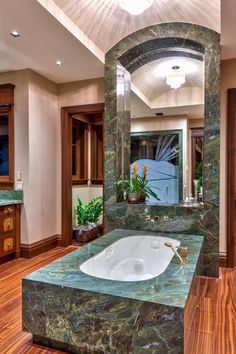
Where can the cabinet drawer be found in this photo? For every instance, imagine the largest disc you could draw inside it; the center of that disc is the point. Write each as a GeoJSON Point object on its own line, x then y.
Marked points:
{"type": "Point", "coordinates": [7, 224]}
{"type": "Point", "coordinates": [7, 245]}
{"type": "Point", "coordinates": [7, 211]}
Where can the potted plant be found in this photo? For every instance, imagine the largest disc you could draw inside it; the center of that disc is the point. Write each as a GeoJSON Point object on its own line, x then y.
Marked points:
{"type": "Point", "coordinates": [136, 188]}
{"type": "Point", "coordinates": [87, 216]}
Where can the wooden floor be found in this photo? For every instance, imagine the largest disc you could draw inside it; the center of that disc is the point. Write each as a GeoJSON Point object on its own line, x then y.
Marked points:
{"type": "Point", "coordinates": [210, 317]}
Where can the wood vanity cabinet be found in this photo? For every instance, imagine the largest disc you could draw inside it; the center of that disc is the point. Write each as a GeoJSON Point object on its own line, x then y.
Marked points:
{"type": "Point", "coordinates": [9, 232]}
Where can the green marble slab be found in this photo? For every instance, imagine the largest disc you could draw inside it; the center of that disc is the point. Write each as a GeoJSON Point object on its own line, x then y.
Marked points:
{"type": "Point", "coordinates": [10, 202]}
{"type": "Point", "coordinates": [169, 288]}
{"type": "Point", "coordinates": [9, 197]}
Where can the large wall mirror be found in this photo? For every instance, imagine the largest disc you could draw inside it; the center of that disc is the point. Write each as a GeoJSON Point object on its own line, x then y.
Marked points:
{"type": "Point", "coordinates": [7, 136]}
{"type": "Point", "coordinates": [167, 125]}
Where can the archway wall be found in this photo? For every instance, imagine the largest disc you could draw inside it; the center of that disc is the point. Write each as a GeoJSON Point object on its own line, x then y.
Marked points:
{"type": "Point", "coordinates": [123, 59]}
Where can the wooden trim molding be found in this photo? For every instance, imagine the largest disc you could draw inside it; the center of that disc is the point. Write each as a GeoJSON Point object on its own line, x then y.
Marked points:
{"type": "Point", "coordinates": [223, 260]}
{"type": "Point", "coordinates": [231, 179]}
{"type": "Point", "coordinates": [7, 107]}
{"type": "Point", "coordinates": [36, 248]}
{"type": "Point", "coordinates": [66, 161]}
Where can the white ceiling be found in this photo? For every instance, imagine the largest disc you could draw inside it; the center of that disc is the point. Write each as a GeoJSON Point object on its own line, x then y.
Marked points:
{"type": "Point", "coordinates": [149, 85]}
{"type": "Point", "coordinates": [79, 32]}
{"type": "Point", "coordinates": [140, 110]}
{"type": "Point", "coordinates": [228, 23]}
{"type": "Point", "coordinates": [43, 40]}
{"type": "Point", "coordinates": [105, 23]}
{"type": "Point", "coordinates": [150, 79]}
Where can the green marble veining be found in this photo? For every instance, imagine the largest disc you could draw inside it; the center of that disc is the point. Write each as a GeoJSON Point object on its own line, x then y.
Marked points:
{"type": "Point", "coordinates": [123, 59]}
{"type": "Point", "coordinates": [71, 311]}
{"type": "Point", "coordinates": [170, 288]}
{"type": "Point", "coordinates": [10, 202]}
{"type": "Point", "coordinates": [8, 197]}
{"type": "Point", "coordinates": [84, 322]}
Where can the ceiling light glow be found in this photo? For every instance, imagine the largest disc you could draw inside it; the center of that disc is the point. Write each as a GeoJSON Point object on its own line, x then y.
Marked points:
{"type": "Point", "coordinates": [15, 34]}
{"type": "Point", "coordinates": [165, 67]}
{"type": "Point", "coordinates": [59, 62]}
{"type": "Point", "coordinates": [135, 7]}
{"type": "Point", "coordinates": [175, 78]}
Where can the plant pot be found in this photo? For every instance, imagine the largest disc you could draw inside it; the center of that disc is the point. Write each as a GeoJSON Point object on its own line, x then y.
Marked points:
{"type": "Point", "coordinates": [86, 233]}
{"type": "Point", "coordinates": [136, 198]}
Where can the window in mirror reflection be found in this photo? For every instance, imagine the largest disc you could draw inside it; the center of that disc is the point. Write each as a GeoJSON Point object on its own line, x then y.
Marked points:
{"type": "Point", "coordinates": [4, 144]}
{"type": "Point", "coordinates": [162, 153]}
{"type": "Point", "coordinates": [197, 158]}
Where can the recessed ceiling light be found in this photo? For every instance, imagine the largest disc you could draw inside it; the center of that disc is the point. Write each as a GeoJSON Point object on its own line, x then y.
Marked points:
{"type": "Point", "coordinates": [59, 62]}
{"type": "Point", "coordinates": [136, 7]}
{"type": "Point", "coordinates": [15, 34]}
{"type": "Point", "coordinates": [166, 66]}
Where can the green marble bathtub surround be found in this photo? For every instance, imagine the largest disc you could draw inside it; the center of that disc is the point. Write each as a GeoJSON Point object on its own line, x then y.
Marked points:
{"type": "Point", "coordinates": [85, 322]}
{"type": "Point", "coordinates": [124, 58]}
{"type": "Point", "coordinates": [169, 288]}
{"type": "Point", "coordinates": [69, 310]}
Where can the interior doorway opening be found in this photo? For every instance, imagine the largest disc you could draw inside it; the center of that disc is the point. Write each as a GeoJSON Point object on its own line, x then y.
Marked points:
{"type": "Point", "coordinates": [82, 162]}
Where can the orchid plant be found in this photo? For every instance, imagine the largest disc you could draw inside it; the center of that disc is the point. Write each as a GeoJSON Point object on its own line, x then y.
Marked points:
{"type": "Point", "coordinates": [137, 183]}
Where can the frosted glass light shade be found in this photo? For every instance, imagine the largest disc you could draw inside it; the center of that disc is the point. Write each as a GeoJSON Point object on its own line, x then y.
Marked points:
{"type": "Point", "coordinates": [175, 80]}
{"type": "Point", "coordinates": [135, 7]}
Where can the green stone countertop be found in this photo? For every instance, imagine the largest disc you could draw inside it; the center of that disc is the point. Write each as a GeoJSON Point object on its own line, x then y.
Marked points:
{"type": "Point", "coordinates": [10, 202]}
{"type": "Point", "coordinates": [9, 197]}
{"type": "Point", "coordinates": [169, 288]}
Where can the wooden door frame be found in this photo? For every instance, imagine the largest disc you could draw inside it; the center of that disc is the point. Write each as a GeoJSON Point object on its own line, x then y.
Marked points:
{"type": "Point", "coordinates": [231, 175]}
{"type": "Point", "coordinates": [66, 165]}
{"type": "Point", "coordinates": [197, 132]}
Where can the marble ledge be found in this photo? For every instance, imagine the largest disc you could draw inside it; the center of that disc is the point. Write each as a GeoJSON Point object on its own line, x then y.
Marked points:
{"type": "Point", "coordinates": [170, 288]}
{"type": "Point", "coordinates": [10, 197]}
{"type": "Point", "coordinates": [10, 202]}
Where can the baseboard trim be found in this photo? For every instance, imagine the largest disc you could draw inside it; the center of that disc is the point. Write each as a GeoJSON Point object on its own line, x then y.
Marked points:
{"type": "Point", "coordinates": [36, 248]}
{"type": "Point", "coordinates": [223, 259]}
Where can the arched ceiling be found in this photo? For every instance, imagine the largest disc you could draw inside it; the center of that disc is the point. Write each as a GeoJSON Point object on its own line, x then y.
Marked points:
{"type": "Point", "coordinates": [149, 83]}
{"type": "Point", "coordinates": [79, 32]}
{"type": "Point", "coordinates": [150, 79]}
{"type": "Point", "coordinates": [105, 23]}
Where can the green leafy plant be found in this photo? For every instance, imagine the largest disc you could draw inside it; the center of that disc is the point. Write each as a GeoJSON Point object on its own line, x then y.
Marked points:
{"type": "Point", "coordinates": [136, 184]}
{"type": "Point", "coordinates": [198, 174]}
{"type": "Point", "coordinates": [90, 212]}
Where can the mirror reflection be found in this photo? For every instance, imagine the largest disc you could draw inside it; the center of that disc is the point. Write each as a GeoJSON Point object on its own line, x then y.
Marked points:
{"type": "Point", "coordinates": [167, 128]}
{"type": "Point", "coordinates": [4, 142]}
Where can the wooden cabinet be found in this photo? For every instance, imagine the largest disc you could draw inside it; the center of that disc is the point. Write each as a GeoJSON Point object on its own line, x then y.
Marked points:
{"type": "Point", "coordinates": [7, 136]}
{"type": "Point", "coordinates": [9, 232]}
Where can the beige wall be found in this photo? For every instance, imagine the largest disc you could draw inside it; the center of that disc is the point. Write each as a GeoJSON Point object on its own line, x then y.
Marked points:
{"type": "Point", "coordinates": [44, 148]}
{"type": "Point", "coordinates": [21, 114]}
{"type": "Point", "coordinates": [228, 80]}
{"type": "Point", "coordinates": [81, 92]}
{"type": "Point", "coordinates": [38, 146]}
{"type": "Point", "coordinates": [37, 119]}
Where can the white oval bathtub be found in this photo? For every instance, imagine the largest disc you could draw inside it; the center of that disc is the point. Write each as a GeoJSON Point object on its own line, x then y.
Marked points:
{"type": "Point", "coordinates": [132, 258]}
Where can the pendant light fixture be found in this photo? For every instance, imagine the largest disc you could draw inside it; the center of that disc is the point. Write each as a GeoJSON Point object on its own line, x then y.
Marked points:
{"type": "Point", "coordinates": [135, 7]}
{"type": "Point", "coordinates": [175, 78]}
